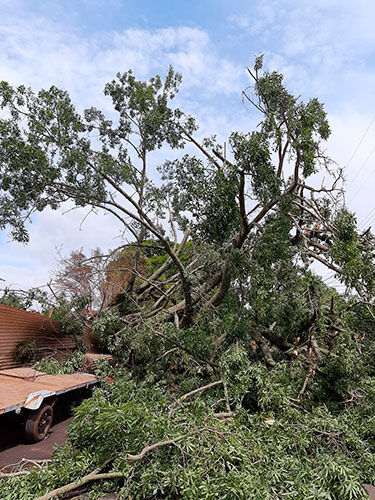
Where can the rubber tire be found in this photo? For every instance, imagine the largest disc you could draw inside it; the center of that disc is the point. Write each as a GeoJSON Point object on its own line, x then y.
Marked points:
{"type": "Point", "coordinates": [39, 423]}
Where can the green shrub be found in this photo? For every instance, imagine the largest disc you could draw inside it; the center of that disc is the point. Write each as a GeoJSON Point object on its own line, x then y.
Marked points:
{"type": "Point", "coordinates": [25, 351]}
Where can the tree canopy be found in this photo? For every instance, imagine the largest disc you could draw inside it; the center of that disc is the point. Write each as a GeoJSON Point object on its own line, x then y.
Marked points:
{"type": "Point", "coordinates": [240, 374]}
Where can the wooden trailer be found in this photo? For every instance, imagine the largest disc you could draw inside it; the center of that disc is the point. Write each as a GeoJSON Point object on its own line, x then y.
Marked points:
{"type": "Point", "coordinates": [33, 393]}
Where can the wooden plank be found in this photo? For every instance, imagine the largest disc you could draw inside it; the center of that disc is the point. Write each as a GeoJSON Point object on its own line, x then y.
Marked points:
{"type": "Point", "coordinates": [24, 372]}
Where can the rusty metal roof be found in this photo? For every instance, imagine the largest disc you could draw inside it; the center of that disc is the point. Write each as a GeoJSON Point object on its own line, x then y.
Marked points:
{"type": "Point", "coordinates": [17, 325]}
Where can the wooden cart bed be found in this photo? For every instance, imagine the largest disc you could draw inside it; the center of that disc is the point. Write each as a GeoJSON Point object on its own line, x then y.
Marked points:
{"type": "Point", "coordinates": [17, 384]}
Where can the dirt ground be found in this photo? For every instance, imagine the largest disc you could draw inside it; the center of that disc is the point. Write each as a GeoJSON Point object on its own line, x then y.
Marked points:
{"type": "Point", "coordinates": [13, 447]}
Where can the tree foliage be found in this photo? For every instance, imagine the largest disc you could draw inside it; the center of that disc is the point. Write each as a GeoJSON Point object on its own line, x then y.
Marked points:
{"type": "Point", "coordinates": [239, 373]}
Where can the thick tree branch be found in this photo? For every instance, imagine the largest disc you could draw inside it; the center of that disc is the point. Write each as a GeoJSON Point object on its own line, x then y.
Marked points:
{"type": "Point", "coordinates": [277, 341]}
{"type": "Point", "coordinates": [318, 257]}
{"type": "Point", "coordinates": [226, 279]}
{"type": "Point", "coordinates": [264, 348]}
{"type": "Point", "coordinates": [167, 264]}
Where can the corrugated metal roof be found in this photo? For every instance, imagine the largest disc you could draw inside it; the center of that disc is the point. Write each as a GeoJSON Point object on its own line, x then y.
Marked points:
{"type": "Point", "coordinates": [17, 325]}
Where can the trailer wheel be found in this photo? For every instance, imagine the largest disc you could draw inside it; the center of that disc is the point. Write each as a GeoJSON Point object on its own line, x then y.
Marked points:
{"type": "Point", "coordinates": [39, 423]}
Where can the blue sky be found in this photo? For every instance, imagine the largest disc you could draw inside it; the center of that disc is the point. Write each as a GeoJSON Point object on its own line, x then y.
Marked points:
{"type": "Point", "coordinates": [324, 48]}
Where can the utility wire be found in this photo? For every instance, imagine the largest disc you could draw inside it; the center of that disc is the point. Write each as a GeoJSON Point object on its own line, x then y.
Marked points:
{"type": "Point", "coordinates": [329, 278]}
{"type": "Point", "coordinates": [367, 178]}
{"type": "Point", "coordinates": [360, 142]}
{"type": "Point", "coordinates": [369, 218]}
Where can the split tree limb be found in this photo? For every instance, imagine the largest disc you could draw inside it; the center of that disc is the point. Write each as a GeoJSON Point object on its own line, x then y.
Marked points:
{"type": "Point", "coordinates": [264, 348]}
{"type": "Point", "coordinates": [309, 374]}
{"type": "Point", "coordinates": [7, 475]}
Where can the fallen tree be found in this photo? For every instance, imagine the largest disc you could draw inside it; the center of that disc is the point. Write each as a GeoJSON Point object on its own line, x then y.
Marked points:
{"type": "Point", "coordinates": [223, 313]}
{"type": "Point", "coordinates": [237, 204]}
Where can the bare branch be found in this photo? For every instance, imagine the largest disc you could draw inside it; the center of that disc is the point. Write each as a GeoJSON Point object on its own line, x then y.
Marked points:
{"type": "Point", "coordinates": [93, 476]}
{"type": "Point", "coordinates": [202, 149]}
{"type": "Point", "coordinates": [191, 393]}
{"type": "Point", "coordinates": [147, 449]}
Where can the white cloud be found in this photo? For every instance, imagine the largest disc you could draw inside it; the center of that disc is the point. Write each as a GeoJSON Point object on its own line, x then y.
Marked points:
{"type": "Point", "coordinates": [50, 232]}
{"type": "Point", "coordinates": [322, 47]}
{"type": "Point", "coordinates": [318, 44]}
{"type": "Point", "coordinates": [40, 52]}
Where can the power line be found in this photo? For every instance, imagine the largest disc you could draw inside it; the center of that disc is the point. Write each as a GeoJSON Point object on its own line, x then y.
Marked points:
{"type": "Point", "coordinates": [367, 178]}
{"type": "Point", "coordinates": [330, 281]}
{"type": "Point", "coordinates": [367, 217]}
{"type": "Point", "coordinates": [328, 276]}
{"type": "Point", "coordinates": [360, 169]}
{"type": "Point", "coordinates": [360, 142]}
